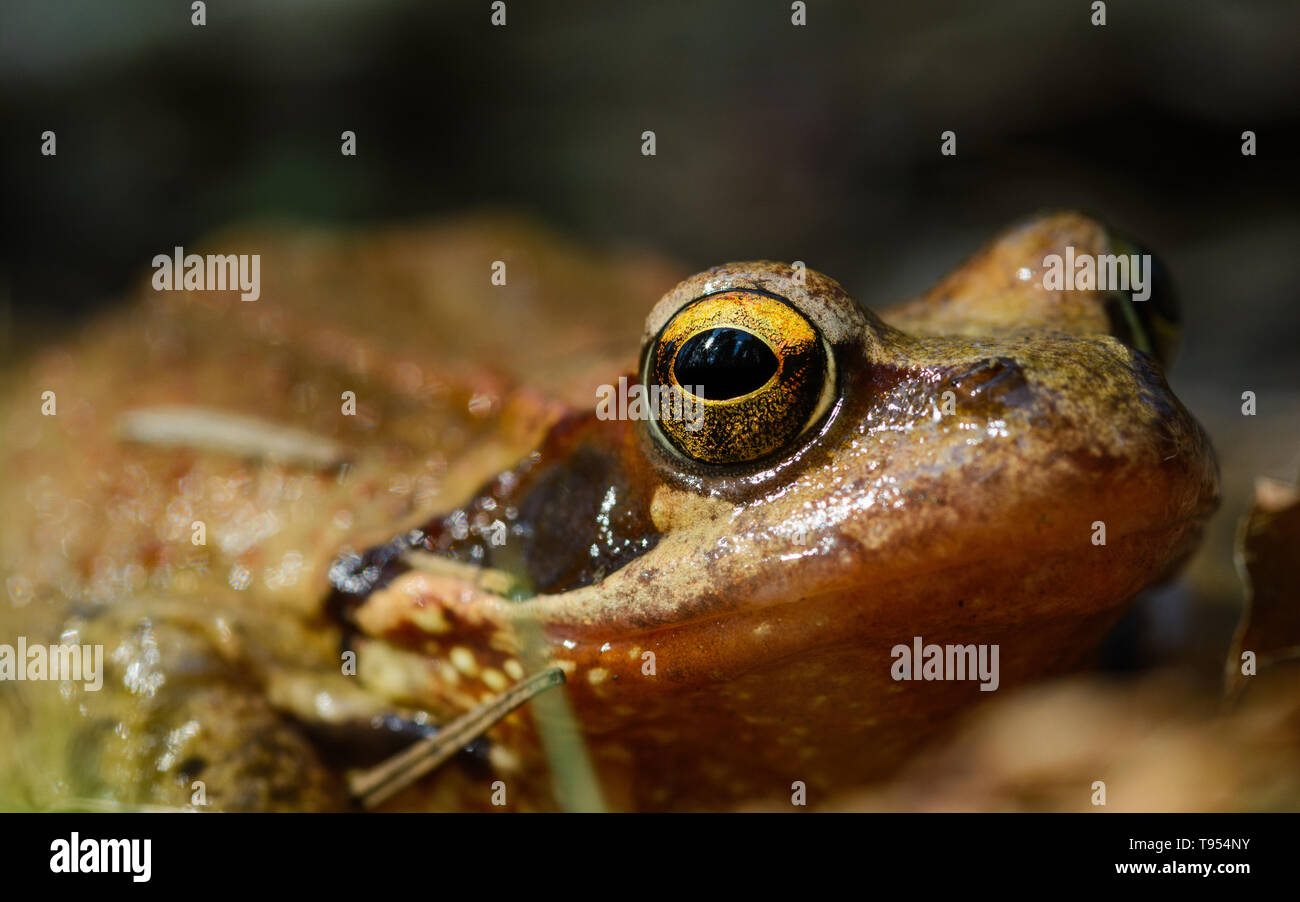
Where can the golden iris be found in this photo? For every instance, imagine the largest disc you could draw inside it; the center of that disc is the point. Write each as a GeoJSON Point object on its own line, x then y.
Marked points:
{"type": "Point", "coordinates": [754, 371]}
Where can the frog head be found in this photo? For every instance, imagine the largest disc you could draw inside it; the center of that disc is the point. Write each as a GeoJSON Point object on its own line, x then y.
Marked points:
{"type": "Point", "coordinates": [727, 570]}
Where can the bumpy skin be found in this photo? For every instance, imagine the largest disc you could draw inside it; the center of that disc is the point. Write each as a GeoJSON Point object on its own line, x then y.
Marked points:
{"type": "Point", "coordinates": [770, 596]}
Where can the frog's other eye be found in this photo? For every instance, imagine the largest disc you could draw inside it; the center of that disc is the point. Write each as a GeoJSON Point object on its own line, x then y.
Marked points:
{"type": "Point", "coordinates": [1153, 325]}
{"type": "Point", "coordinates": [739, 375]}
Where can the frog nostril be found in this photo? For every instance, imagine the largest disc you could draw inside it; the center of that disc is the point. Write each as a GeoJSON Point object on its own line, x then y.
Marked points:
{"type": "Point", "coordinates": [725, 363]}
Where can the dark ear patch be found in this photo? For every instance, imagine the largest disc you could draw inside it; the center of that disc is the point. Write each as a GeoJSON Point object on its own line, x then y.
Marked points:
{"type": "Point", "coordinates": [584, 517]}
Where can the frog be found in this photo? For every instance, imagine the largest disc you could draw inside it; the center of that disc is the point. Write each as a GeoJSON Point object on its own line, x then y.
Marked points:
{"type": "Point", "coordinates": [314, 531]}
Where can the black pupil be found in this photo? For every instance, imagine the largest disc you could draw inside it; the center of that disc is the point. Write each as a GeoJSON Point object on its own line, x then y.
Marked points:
{"type": "Point", "coordinates": [728, 363]}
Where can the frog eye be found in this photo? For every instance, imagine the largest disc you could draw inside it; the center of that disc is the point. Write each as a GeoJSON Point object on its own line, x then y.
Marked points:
{"type": "Point", "coordinates": [751, 371]}
{"type": "Point", "coordinates": [1153, 325]}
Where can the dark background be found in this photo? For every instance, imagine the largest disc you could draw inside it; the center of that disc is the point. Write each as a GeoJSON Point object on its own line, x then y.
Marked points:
{"type": "Point", "coordinates": [818, 143]}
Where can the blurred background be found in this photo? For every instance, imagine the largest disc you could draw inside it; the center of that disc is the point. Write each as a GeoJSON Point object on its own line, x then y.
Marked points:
{"type": "Point", "coordinates": [818, 143]}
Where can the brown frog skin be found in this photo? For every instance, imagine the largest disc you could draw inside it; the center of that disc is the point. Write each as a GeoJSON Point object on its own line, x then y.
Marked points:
{"type": "Point", "coordinates": [725, 629]}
